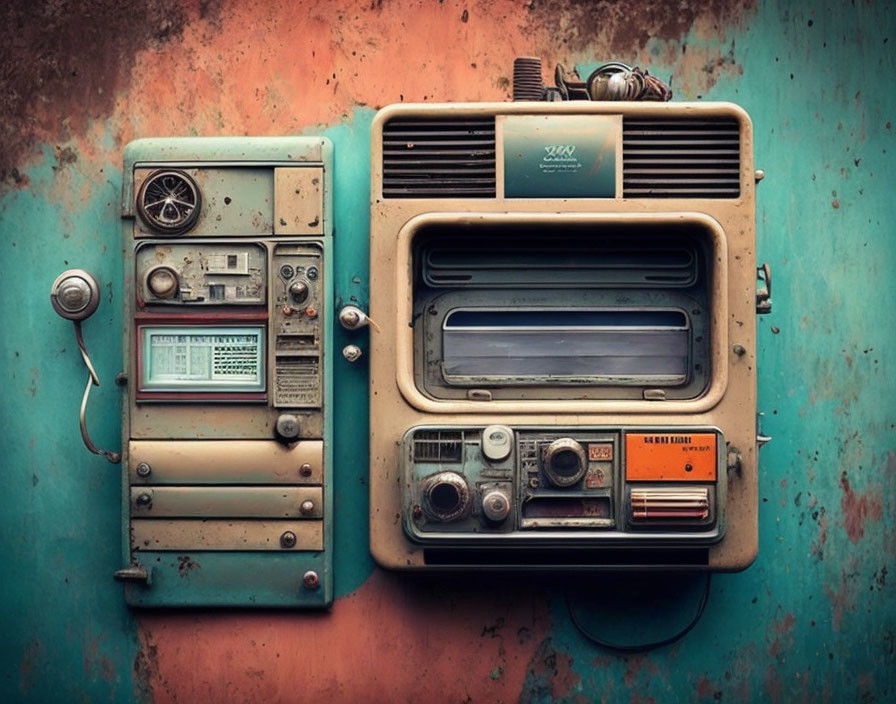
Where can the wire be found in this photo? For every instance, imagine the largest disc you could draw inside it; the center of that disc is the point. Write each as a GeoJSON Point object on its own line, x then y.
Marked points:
{"type": "Point", "coordinates": [642, 647]}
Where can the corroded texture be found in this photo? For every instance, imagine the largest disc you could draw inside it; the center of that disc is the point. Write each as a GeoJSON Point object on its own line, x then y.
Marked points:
{"type": "Point", "coordinates": [813, 619]}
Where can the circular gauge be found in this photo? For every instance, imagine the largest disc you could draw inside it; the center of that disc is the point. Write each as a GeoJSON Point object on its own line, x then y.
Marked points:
{"type": "Point", "coordinates": [169, 202]}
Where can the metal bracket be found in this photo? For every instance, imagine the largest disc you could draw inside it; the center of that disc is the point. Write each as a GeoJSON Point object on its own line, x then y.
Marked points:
{"type": "Point", "coordinates": [135, 573]}
{"type": "Point", "coordinates": [764, 295]}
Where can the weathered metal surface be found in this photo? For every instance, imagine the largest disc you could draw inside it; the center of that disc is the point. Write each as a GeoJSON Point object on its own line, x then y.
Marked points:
{"type": "Point", "coordinates": [813, 619]}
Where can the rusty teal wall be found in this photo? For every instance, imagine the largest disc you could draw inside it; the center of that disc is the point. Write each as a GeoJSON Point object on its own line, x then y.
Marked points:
{"type": "Point", "coordinates": [813, 619]}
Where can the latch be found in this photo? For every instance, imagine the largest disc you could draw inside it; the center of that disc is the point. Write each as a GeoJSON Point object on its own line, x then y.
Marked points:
{"type": "Point", "coordinates": [764, 291]}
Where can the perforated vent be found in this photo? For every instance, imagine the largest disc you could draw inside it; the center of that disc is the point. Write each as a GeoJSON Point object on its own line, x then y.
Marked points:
{"type": "Point", "coordinates": [438, 446]}
{"type": "Point", "coordinates": [681, 158]}
{"type": "Point", "coordinates": [439, 158]}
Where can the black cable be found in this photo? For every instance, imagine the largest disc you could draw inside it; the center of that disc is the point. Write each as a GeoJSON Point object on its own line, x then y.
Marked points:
{"type": "Point", "coordinates": [642, 647]}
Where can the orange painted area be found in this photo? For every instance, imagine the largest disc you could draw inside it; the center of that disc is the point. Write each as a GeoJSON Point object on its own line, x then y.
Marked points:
{"type": "Point", "coordinates": [681, 457]}
{"type": "Point", "coordinates": [396, 639]}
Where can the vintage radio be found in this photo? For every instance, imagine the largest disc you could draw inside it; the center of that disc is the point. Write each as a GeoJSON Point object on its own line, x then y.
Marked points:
{"type": "Point", "coordinates": [228, 327]}
{"type": "Point", "coordinates": [563, 373]}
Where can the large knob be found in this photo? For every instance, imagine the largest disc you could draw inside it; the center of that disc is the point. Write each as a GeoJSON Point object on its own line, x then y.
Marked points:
{"type": "Point", "coordinates": [299, 290]}
{"type": "Point", "coordinates": [564, 462]}
{"type": "Point", "coordinates": [446, 497]}
{"type": "Point", "coordinates": [162, 282]}
{"type": "Point", "coordinates": [75, 294]}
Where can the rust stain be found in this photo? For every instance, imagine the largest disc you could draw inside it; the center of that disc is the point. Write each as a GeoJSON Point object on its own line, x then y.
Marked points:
{"type": "Point", "coordinates": [857, 509]}
{"type": "Point", "coordinates": [550, 676]}
{"type": "Point", "coordinates": [706, 688]}
{"type": "Point", "coordinates": [64, 64]}
{"type": "Point", "coordinates": [782, 631]}
{"type": "Point", "coordinates": [467, 633]}
{"type": "Point", "coordinates": [842, 600]}
{"type": "Point", "coordinates": [773, 684]}
{"type": "Point", "coordinates": [29, 666]}
{"type": "Point", "coordinates": [68, 74]}
{"type": "Point", "coordinates": [186, 564]}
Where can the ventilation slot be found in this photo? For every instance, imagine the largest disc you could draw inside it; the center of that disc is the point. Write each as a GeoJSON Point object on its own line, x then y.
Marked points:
{"type": "Point", "coordinates": [438, 446]}
{"type": "Point", "coordinates": [681, 158]}
{"type": "Point", "coordinates": [664, 505]}
{"type": "Point", "coordinates": [425, 158]}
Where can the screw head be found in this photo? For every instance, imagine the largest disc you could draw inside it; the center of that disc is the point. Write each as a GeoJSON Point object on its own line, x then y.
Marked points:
{"type": "Point", "coordinates": [143, 500]}
{"type": "Point", "coordinates": [305, 470]}
{"type": "Point", "coordinates": [143, 470]}
{"type": "Point", "coordinates": [307, 507]}
{"type": "Point", "coordinates": [311, 580]}
{"type": "Point", "coordinates": [288, 540]}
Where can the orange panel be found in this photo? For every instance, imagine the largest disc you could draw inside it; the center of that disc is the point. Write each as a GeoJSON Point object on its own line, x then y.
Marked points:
{"type": "Point", "coordinates": [688, 457]}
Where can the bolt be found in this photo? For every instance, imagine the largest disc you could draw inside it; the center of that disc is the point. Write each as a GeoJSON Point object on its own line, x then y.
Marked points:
{"type": "Point", "coordinates": [739, 350]}
{"type": "Point", "coordinates": [305, 470]}
{"type": "Point", "coordinates": [352, 353]}
{"type": "Point", "coordinates": [311, 580]}
{"type": "Point", "coordinates": [143, 470]}
{"type": "Point", "coordinates": [288, 540]}
{"type": "Point", "coordinates": [286, 310]}
{"type": "Point", "coordinates": [688, 467]}
{"type": "Point", "coordinates": [533, 483]}
{"type": "Point", "coordinates": [311, 312]}
{"type": "Point", "coordinates": [307, 507]}
{"type": "Point", "coordinates": [144, 500]}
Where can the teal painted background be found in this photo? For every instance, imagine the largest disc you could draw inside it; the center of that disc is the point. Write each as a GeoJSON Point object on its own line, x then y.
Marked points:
{"type": "Point", "coordinates": [813, 619]}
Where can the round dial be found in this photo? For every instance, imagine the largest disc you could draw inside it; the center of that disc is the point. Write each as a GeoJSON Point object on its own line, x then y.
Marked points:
{"type": "Point", "coordinates": [564, 462]}
{"type": "Point", "coordinates": [162, 282]}
{"type": "Point", "coordinates": [447, 497]}
{"type": "Point", "coordinates": [169, 201]}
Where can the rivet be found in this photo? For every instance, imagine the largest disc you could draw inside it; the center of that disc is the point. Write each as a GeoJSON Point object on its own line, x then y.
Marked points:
{"type": "Point", "coordinates": [305, 470]}
{"type": "Point", "coordinates": [143, 470]}
{"type": "Point", "coordinates": [307, 507]}
{"type": "Point", "coordinates": [288, 540]}
{"type": "Point", "coordinates": [311, 580]}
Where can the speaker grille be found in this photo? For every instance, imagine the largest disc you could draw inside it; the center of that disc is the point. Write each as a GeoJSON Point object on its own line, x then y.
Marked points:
{"type": "Point", "coordinates": [680, 158]}
{"type": "Point", "coordinates": [439, 158]}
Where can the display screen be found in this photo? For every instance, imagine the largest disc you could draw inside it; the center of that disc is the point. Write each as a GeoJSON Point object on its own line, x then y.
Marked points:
{"type": "Point", "coordinates": [191, 359]}
{"type": "Point", "coordinates": [576, 346]}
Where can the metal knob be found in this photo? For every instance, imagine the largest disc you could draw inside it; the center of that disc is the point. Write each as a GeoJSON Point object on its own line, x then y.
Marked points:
{"type": "Point", "coordinates": [447, 497]}
{"type": "Point", "coordinates": [352, 318]}
{"type": "Point", "coordinates": [299, 290]}
{"type": "Point", "coordinates": [162, 282]}
{"type": "Point", "coordinates": [75, 294]}
{"type": "Point", "coordinates": [496, 505]}
{"type": "Point", "coordinates": [564, 462]}
{"type": "Point", "coordinates": [288, 426]}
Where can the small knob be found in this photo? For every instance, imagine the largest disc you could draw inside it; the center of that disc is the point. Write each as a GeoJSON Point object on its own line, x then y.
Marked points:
{"type": "Point", "coordinates": [288, 426]}
{"type": "Point", "coordinates": [162, 282]}
{"type": "Point", "coordinates": [299, 290]}
{"type": "Point", "coordinates": [497, 441]}
{"type": "Point", "coordinates": [496, 505]}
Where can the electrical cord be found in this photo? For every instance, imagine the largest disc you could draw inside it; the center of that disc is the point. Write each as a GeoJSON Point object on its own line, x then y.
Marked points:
{"type": "Point", "coordinates": [641, 647]}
